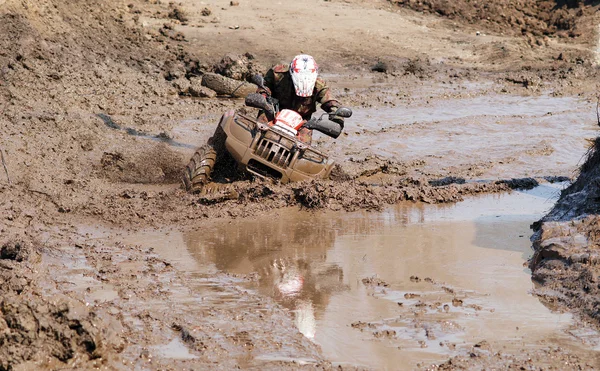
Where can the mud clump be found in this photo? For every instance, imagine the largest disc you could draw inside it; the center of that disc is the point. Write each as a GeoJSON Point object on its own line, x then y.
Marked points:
{"type": "Point", "coordinates": [419, 67]}
{"type": "Point", "coordinates": [223, 85]}
{"type": "Point", "coordinates": [339, 174]}
{"type": "Point", "coordinates": [520, 183]}
{"type": "Point", "coordinates": [14, 250]}
{"type": "Point", "coordinates": [14, 276]}
{"type": "Point", "coordinates": [446, 181]}
{"type": "Point", "coordinates": [239, 67]}
{"type": "Point", "coordinates": [314, 197]}
{"type": "Point", "coordinates": [158, 164]}
{"type": "Point", "coordinates": [374, 281]}
{"type": "Point", "coordinates": [178, 14]}
{"type": "Point", "coordinates": [387, 334]}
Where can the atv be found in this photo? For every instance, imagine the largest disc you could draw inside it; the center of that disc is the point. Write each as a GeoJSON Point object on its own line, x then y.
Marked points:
{"type": "Point", "coordinates": [265, 150]}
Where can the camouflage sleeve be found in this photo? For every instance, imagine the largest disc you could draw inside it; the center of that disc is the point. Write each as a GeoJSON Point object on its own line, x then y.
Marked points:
{"type": "Point", "coordinates": [269, 83]}
{"type": "Point", "coordinates": [324, 96]}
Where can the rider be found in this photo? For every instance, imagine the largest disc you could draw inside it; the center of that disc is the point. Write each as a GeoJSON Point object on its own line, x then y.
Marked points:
{"type": "Point", "coordinates": [298, 87]}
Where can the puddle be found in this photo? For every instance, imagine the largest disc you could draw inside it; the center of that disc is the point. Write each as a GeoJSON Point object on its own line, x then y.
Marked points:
{"type": "Point", "coordinates": [496, 106]}
{"type": "Point", "coordinates": [439, 278]}
{"type": "Point", "coordinates": [77, 276]}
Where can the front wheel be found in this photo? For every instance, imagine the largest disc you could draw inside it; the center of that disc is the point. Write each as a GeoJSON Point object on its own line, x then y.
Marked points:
{"type": "Point", "coordinates": [197, 172]}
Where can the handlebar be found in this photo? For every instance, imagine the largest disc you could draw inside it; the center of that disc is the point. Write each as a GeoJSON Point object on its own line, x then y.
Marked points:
{"type": "Point", "coordinates": [327, 127]}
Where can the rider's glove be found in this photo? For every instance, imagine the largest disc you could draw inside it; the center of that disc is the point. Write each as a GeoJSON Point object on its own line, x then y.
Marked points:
{"type": "Point", "coordinates": [332, 116]}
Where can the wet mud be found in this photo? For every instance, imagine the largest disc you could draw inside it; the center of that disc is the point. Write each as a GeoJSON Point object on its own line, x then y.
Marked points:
{"type": "Point", "coordinates": [102, 104]}
{"type": "Point", "coordinates": [565, 243]}
{"type": "Point", "coordinates": [35, 327]}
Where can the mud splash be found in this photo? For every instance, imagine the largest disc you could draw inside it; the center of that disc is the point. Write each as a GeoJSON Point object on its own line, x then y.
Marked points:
{"type": "Point", "coordinates": [414, 284]}
{"type": "Point", "coordinates": [162, 137]}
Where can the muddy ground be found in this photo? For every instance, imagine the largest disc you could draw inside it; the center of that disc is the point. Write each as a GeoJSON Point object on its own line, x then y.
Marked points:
{"type": "Point", "coordinates": [101, 107]}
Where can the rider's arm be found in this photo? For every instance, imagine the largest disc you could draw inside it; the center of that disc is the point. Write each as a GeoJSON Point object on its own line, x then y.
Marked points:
{"type": "Point", "coordinates": [324, 96]}
{"type": "Point", "coordinates": [328, 103]}
{"type": "Point", "coordinates": [269, 83]}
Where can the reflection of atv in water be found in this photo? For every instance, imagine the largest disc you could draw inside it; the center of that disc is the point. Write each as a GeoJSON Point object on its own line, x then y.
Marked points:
{"type": "Point", "coordinates": [291, 257]}
{"type": "Point", "coordinates": [266, 150]}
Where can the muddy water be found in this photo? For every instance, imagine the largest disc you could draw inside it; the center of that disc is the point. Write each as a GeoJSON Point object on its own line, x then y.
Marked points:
{"type": "Point", "coordinates": [516, 136]}
{"type": "Point", "coordinates": [413, 284]}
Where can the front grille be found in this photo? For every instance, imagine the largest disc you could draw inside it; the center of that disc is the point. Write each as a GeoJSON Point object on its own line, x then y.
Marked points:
{"type": "Point", "coordinates": [263, 170]}
{"type": "Point", "coordinates": [273, 152]}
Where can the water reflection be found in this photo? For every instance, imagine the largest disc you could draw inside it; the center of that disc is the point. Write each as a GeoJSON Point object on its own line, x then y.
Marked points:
{"type": "Point", "coordinates": [288, 255]}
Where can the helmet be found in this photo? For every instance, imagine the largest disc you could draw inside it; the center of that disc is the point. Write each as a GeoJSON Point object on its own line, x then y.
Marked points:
{"type": "Point", "coordinates": [304, 71]}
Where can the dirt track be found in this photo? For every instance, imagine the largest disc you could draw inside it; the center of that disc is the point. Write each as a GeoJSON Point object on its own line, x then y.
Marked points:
{"type": "Point", "coordinates": [97, 124]}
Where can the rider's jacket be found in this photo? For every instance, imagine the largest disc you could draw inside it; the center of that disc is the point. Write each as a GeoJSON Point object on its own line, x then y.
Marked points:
{"type": "Point", "coordinates": [279, 82]}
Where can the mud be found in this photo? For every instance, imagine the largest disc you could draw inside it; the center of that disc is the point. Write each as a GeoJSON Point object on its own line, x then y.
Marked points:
{"type": "Point", "coordinates": [566, 242]}
{"type": "Point", "coordinates": [37, 328]}
{"type": "Point", "coordinates": [100, 110]}
{"type": "Point", "coordinates": [529, 18]}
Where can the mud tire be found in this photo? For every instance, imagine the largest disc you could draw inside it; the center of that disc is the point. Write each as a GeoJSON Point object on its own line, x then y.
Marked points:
{"type": "Point", "coordinates": [198, 171]}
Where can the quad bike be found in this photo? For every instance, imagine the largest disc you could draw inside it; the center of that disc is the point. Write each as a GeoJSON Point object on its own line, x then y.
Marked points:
{"type": "Point", "coordinates": [265, 150]}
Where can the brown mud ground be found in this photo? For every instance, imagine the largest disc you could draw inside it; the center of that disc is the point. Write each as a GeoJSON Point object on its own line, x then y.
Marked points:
{"type": "Point", "coordinates": [97, 123]}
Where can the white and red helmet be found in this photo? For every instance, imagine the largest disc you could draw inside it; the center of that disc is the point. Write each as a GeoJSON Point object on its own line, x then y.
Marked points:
{"type": "Point", "coordinates": [304, 71]}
